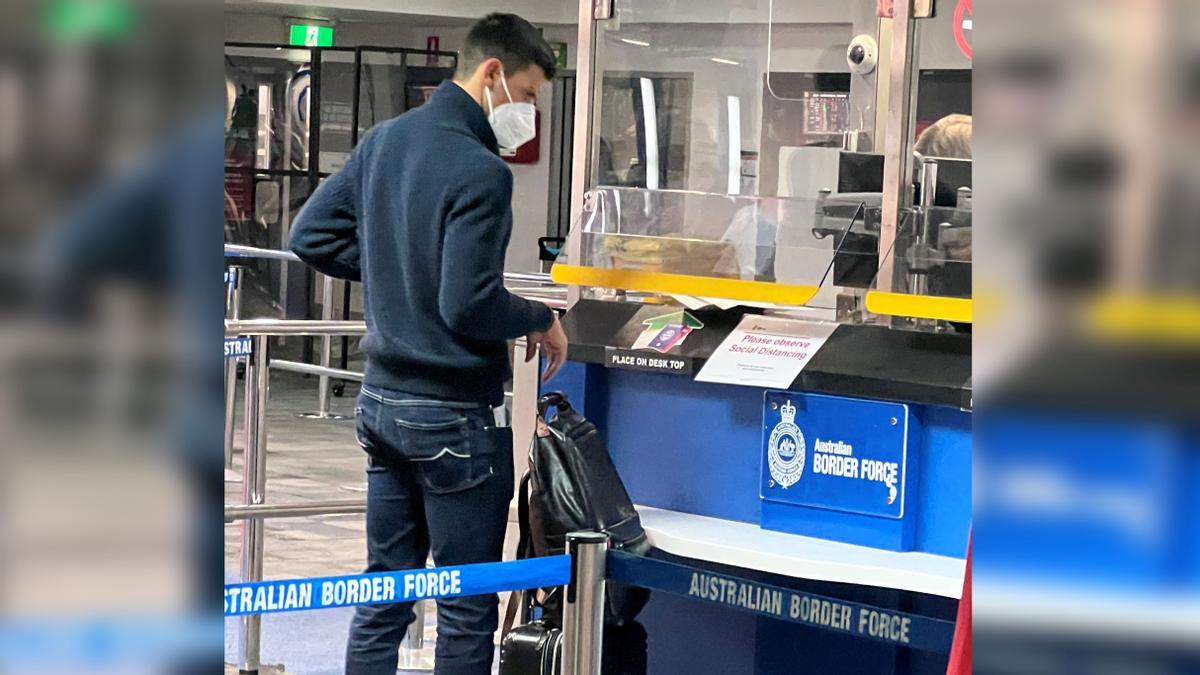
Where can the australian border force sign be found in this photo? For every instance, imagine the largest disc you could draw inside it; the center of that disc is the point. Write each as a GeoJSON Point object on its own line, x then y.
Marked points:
{"type": "Point", "coordinates": [835, 453]}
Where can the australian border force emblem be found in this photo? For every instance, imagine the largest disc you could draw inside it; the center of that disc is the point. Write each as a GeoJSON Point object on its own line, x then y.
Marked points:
{"type": "Point", "coordinates": [785, 448]}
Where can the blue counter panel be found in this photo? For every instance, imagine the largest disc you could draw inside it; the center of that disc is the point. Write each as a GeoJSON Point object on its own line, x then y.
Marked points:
{"type": "Point", "coordinates": [1117, 488]}
{"type": "Point", "coordinates": [944, 455]}
{"type": "Point", "coordinates": [682, 445]}
{"type": "Point", "coordinates": [696, 447]}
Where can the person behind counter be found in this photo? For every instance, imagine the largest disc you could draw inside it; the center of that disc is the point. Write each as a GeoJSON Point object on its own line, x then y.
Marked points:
{"type": "Point", "coordinates": [421, 214]}
{"type": "Point", "coordinates": [948, 138]}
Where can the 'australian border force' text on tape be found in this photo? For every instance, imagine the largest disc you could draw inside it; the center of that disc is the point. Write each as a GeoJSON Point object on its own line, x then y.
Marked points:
{"type": "Point", "coordinates": [387, 587]}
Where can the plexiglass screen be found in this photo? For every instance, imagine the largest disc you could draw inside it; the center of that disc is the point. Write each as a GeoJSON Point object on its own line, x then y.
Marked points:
{"type": "Point", "coordinates": [750, 98]}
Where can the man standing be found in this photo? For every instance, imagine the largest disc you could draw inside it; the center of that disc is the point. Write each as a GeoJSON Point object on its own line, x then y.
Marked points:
{"type": "Point", "coordinates": [421, 214]}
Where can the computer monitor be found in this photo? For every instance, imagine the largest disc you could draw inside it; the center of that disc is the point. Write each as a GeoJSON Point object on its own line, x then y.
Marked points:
{"type": "Point", "coordinates": [863, 172]}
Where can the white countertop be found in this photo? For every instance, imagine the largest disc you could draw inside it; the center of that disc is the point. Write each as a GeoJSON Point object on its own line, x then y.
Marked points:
{"type": "Point", "coordinates": [747, 545]}
{"type": "Point", "coordinates": [1092, 612]}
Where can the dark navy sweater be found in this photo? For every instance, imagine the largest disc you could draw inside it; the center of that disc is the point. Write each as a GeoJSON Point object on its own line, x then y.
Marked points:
{"type": "Point", "coordinates": [421, 214]}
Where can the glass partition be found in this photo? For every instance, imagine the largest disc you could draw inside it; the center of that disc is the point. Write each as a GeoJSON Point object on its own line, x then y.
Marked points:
{"type": "Point", "coordinates": [930, 269]}
{"type": "Point", "coordinates": [735, 154]}
{"type": "Point", "coordinates": [941, 92]}
{"type": "Point", "coordinates": [747, 249]}
{"type": "Point", "coordinates": [752, 99]}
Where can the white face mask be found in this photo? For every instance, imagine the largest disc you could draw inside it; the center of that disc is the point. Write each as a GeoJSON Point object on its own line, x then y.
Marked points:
{"type": "Point", "coordinates": [515, 124]}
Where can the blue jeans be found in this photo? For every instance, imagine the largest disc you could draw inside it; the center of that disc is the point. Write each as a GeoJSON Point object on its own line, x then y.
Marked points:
{"type": "Point", "coordinates": [439, 479]}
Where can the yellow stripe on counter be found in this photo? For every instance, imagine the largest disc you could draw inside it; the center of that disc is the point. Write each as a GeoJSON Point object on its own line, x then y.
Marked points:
{"type": "Point", "coordinates": [920, 306]}
{"type": "Point", "coordinates": [683, 284]}
{"type": "Point", "coordinates": [1146, 318]}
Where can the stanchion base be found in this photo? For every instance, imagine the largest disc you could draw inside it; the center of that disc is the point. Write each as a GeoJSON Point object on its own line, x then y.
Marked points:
{"type": "Point", "coordinates": [322, 416]}
{"type": "Point", "coordinates": [232, 476]}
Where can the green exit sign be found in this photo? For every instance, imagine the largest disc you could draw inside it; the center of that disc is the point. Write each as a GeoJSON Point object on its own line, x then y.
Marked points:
{"type": "Point", "coordinates": [311, 36]}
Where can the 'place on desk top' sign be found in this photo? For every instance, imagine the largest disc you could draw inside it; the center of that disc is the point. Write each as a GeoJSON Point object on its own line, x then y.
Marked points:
{"type": "Point", "coordinates": [835, 453]}
{"type": "Point", "coordinates": [647, 361]}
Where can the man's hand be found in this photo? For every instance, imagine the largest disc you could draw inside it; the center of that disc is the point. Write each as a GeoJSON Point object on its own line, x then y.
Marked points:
{"type": "Point", "coordinates": [553, 342]}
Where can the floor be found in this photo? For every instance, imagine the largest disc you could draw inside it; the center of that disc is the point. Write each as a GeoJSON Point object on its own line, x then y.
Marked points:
{"type": "Point", "coordinates": [307, 460]}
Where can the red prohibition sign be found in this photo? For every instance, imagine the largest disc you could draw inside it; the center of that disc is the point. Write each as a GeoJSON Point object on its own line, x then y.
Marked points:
{"type": "Point", "coordinates": [963, 12]}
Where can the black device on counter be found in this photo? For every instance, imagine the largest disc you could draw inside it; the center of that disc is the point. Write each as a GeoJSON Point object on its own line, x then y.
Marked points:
{"type": "Point", "coordinates": [863, 172]}
{"type": "Point", "coordinates": [860, 180]}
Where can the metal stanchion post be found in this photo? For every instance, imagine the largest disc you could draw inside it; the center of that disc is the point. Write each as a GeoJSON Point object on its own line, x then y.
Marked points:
{"type": "Point", "coordinates": [583, 616]}
{"type": "Point", "coordinates": [254, 484]}
{"type": "Point", "coordinates": [233, 310]}
{"type": "Point", "coordinates": [322, 412]}
{"type": "Point", "coordinates": [413, 653]}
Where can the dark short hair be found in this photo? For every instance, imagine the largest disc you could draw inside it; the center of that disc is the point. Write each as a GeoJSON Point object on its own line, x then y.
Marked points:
{"type": "Point", "coordinates": [509, 38]}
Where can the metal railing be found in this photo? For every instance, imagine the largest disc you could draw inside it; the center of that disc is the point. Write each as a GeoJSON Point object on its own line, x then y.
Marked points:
{"type": "Point", "coordinates": [253, 510]}
{"type": "Point", "coordinates": [254, 476]}
{"type": "Point", "coordinates": [239, 251]}
{"type": "Point", "coordinates": [584, 609]}
{"type": "Point", "coordinates": [532, 286]}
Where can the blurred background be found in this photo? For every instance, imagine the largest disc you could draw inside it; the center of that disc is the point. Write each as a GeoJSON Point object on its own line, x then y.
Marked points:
{"type": "Point", "coordinates": [110, 382]}
{"type": "Point", "coordinates": [1087, 554]}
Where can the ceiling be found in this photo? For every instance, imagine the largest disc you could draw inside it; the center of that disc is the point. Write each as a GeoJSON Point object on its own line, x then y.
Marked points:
{"type": "Point", "coordinates": [338, 14]}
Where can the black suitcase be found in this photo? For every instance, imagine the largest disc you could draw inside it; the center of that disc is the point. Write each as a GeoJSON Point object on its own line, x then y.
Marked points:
{"type": "Point", "coordinates": [531, 649]}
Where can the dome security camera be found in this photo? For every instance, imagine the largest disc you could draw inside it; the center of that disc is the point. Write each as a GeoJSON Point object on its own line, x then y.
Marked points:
{"type": "Point", "coordinates": [862, 55]}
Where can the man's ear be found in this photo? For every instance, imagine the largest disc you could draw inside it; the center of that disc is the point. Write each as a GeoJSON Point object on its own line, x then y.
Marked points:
{"type": "Point", "coordinates": [489, 72]}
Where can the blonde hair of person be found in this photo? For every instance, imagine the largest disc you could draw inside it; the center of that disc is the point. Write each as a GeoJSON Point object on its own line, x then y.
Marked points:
{"type": "Point", "coordinates": [949, 137]}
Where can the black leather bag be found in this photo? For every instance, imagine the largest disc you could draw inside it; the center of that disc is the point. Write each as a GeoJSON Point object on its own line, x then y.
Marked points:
{"type": "Point", "coordinates": [531, 649]}
{"type": "Point", "coordinates": [573, 486]}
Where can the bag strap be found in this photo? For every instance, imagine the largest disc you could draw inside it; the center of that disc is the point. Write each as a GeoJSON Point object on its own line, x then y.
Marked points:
{"type": "Point", "coordinates": [524, 534]}
{"type": "Point", "coordinates": [556, 400]}
{"type": "Point", "coordinates": [515, 600]}
{"type": "Point", "coordinates": [519, 601]}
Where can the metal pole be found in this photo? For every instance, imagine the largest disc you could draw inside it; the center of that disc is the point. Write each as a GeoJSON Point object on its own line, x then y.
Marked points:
{"type": "Point", "coordinates": [583, 616]}
{"type": "Point", "coordinates": [310, 369]}
{"type": "Point", "coordinates": [414, 655]}
{"type": "Point", "coordinates": [240, 251]}
{"type": "Point", "coordinates": [414, 639]}
{"type": "Point", "coordinates": [923, 227]}
{"type": "Point", "coordinates": [322, 412]}
{"type": "Point", "coordinates": [303, 510]}
{"type": "Point", "coordinates": [293, 327]}
{"type": "Point", "coordinates": [233, 310]}
{"type": "Point", "coordinates": [254, 485]}
{"type": "Point", "coordinates": [525, 384]}
{"type": "Point", "coordinates": [354, 115]}
{"type": "Point", "coordinates": [897, 144]}
{"type": "Point", "coordinates": [326, 346]}
{"type": "Point", "coordinates": [585, 110]}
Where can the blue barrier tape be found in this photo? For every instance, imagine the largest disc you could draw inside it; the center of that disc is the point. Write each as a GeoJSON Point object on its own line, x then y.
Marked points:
{"type": "Point", "coordinates": [833, 614]}
{"type": "Point", "coordinates": [292, 595]}
{"type": "Point", "coordinates": [106, 642]}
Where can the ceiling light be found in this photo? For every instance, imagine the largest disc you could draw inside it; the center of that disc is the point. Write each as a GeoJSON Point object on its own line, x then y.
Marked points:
{"type": "Point", "coordinates": [729, 62]}
{"type": "Point", "coordinates": [637, 43]}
